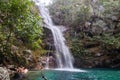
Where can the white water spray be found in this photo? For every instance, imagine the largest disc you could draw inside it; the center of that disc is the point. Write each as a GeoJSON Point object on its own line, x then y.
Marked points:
{"type": "Point", "coordinates": [63, 55]}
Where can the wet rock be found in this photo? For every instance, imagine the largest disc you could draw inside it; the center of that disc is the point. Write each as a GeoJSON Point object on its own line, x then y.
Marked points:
{"type": "Point", "coordinates": [114, 18]}
{"type": "Point", "coordinates": [98, 54]}
{"type": "Point", "coordinates": [107, 61]}
{"type": "Point", "coordinates": [51, 61]}
{"type": "Point", "coordinates": [27, 51]}
{"type": "Point", "coordinates": [28, 54]}
{"type": "Point", "coordinates": [13, 47]}
{"type": "Point", "coordinates": [96, 62]}
{"type": "Point", "coordinates": [4, 75]}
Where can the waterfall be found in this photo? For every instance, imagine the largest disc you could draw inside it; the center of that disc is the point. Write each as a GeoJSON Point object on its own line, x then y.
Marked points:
{"type": "Point", "coordinates": [47, 63]}
{"type": "Point", "coordinates": [63, 55]}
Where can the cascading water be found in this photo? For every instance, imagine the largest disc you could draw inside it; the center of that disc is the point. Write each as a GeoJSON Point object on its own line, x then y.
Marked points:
{"type": "Point", "coordinates": [63, 56]}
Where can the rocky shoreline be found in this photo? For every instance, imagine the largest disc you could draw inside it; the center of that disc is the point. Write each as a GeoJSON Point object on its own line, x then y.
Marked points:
{"type": "Point", "coordinates": [4, 74]}
{"type": "Point", "coordinates": [12, 73]}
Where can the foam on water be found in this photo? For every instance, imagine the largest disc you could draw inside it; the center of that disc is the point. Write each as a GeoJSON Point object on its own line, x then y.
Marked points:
{"type": "Point", "coordinates": [68, 69]}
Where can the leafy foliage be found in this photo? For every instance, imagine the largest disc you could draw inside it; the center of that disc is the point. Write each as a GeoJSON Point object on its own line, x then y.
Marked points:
{"type": "Point", "coordinates": [20, 25]}
{"type": "Point", "coordinates": [93, 24]}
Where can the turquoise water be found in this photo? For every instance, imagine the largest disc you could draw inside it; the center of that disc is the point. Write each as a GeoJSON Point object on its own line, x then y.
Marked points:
{"type": "Point", "coordinates": [90, 74]}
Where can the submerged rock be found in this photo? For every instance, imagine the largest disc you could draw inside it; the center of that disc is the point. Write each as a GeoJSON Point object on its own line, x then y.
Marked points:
{"type": "Point", "coordinates": [4, 75]}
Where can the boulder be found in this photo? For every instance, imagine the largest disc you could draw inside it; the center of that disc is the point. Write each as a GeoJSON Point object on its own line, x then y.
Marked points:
{"type": "Point", "coordinates": [4, 75]}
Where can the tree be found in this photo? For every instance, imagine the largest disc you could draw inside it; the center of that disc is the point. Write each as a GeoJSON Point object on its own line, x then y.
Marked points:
{"type": "Point", "coordinates": [20, 25]}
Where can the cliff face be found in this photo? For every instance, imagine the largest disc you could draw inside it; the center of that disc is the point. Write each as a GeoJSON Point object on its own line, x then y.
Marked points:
{"type": "Point", "coordinates": [96, 43]}
{"type": "Point", "coordinates": [94, 40]}
{"type": "Point", "coordinates": [97, 56]}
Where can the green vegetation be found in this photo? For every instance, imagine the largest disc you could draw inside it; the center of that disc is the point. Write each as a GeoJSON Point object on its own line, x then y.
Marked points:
{"type": "Point", "coordinates": [20, 30]}
{"type": "Point", "coordinates": [94, 29]}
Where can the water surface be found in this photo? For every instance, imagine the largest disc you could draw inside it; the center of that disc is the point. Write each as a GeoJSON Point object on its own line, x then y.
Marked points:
{"type": "Point", "coordinates": [89, 74]}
